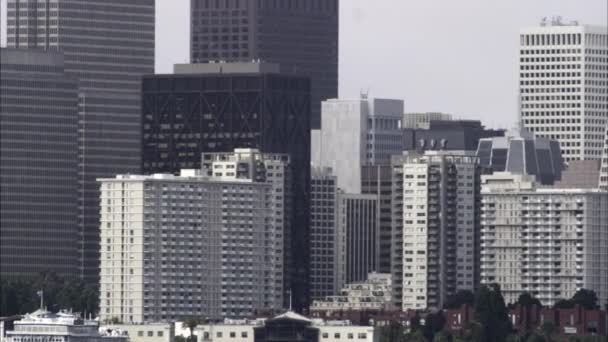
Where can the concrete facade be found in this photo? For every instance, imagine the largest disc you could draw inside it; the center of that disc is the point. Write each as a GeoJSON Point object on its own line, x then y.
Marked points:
{"type": "Point", "coordinates": [603, 181]}
{"type": "Point", "coordinates": [423, 120]}
{"type": "Point", "coordinates": [193, 245]}
{"type": "Point", "coordinates": [435, 227]}
{"type": "Point", "coordinates": [562, 82]}
{"type": "Point", "coordinates": [355, 133]}
{"type": "Point", "coordinates": [546, 241]}
{"type": "Point", "coordinates": [375, 293]}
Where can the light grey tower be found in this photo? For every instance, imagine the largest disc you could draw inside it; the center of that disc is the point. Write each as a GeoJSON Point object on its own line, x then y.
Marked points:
{"type": "Point", "coordinates": [38, 165]}
{"type": "Point", "coordinates": [108, 45]}
{"type": "Point", "coordinates": [562, 85]}
{"type": "Point", "coordinates": [301, 36]}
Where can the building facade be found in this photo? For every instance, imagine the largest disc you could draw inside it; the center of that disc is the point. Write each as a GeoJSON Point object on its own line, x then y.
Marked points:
{"type": "Point", "coordinates": [327, 240]}
{"type": "Point", "coordinates": [359, 222]}
{"type": "Point", "coordinates": [375, 293]}
{"type": "Point", "coordinates": [435, 227]}
{"type": "Point", "coordinates": [288, 326]}
{"type": "Point", "coordinates": [206, 108]}
{"type": "Point", "coordinates": [193, 245]}
{"type": "Point", "coordinates": [377, 180]}
{"type": "Point", "coordinates": [523, 153]}
{"type": "Point", "coordinates": [604, 166]}
{"type": "Point", "coordinates": [356, 133]}
{"type": "Point", "coordinates": [300, 36]}
{"type": "Point", "coordinates": [447, 135]}
{"type": "Point", "coordinates": [545, 241]}
{"type": "Point", "coordinates": [562, 78]}
{"type": "Point", "coordinates": [423, 120]}
{"type": "Point", "coordinates": [108, 60]}
{"type": "Point", "coordinates": [38, 165]}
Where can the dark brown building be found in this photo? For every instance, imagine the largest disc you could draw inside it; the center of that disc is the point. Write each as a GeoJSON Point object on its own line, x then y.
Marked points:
{"type": "Point", "coordinates": [300, 35]}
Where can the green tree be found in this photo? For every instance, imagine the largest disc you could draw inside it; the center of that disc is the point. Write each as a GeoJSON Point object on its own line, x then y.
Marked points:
{"type": "Point", "coordinates": [19, 296]}
{"type": "Point", "coordinates": [433, 323]}
{"type": "Point", "coordinates": [443, 336]}
{"type": "Point", "coordinates": [491, 314]}
{"type": "Point", "coordinates": [535, 338]}
{"type": "Point", "coordinates": [527, 300]}
{"type": "Point", "coordinates": [548, 330]}
{"type": "Point", "coordinates": [583, 297]}
{"type": "Point", "coordinates": [461, 297]}
{"type": "Point", "coordinates": [414, 336]}
{"type": "Point", "coordinates": [191, 324]}
{"type": "Point", "coordinates": [586, 298]}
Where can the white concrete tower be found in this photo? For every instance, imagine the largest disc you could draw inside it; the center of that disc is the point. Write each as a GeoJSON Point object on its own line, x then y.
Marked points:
{"type": "Point", "coordinates": [563, 76]}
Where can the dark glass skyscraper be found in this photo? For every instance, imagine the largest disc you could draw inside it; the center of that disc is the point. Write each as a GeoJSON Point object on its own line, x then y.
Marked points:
{"type": "Point", "coordinates": [300, 35]}
{"type": "Point", "coordinates": [108, 45]}
{"type": "Point", "coordinates": [38, 165]}
{"type": "Point", "coordinates": [220, 107]}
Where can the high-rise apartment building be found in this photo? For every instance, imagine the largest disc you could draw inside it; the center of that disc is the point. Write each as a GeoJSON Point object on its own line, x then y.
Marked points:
{"type": "Point", "coordinates": [423, 120]}
{"type": "Point", "coordinates": [356, 133]}
{"type": "Point", "coordinates": [207, 108]}
{"type": "Point", "coordinates": [562, 81]}
{"type": "Point", "coordinates": [38, 165]}
{"type": "Point", "coordinates": [544, 241]}
{"type": "Point", "coordinates": [107, 45]}
{"type": "Point", "coordinates": [604, 166]}
{"type": "Point", "coordinates": [301, 36]}
{"type": "Point", "coordinates": [435, 227]}
{"type": "Point", "coordinates": [195, 245]}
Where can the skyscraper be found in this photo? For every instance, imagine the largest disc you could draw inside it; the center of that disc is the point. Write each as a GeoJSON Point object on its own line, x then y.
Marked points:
{"type": "Point", "coordinates": [562, 80]}
{"type": "Point", "coordinates": [207, 108]}
{"type": "Point", "coordinates": [38, 165]}
{"type": "Point", "coordinates": [108, 45]}
{"type": "Point", "coordinates": [435, 228]}
{"type": "Point", "coordinates": [301, 36]}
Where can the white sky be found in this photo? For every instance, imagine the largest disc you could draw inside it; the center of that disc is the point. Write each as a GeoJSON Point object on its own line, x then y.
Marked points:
{"type": "Point", "coordinates": [454, 56]}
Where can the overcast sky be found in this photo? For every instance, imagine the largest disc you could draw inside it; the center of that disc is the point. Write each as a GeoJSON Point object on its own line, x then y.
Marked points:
{"type": "Point", "coordinates": [455, 56]}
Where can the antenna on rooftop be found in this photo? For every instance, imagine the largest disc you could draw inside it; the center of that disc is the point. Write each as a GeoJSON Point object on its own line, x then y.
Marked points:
{"type": "Point", "coordinates": [41, 295]}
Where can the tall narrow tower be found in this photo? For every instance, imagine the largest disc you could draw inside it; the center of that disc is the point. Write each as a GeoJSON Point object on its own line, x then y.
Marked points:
{"type": "Point", "coordinates": [562, 81]}
{"type": "Point", "coordinates": [107, 46]}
